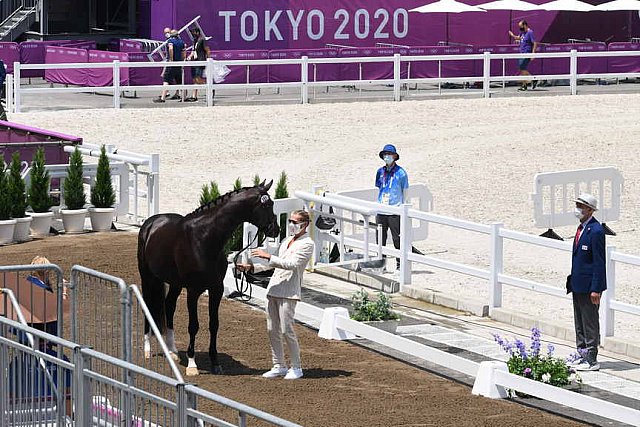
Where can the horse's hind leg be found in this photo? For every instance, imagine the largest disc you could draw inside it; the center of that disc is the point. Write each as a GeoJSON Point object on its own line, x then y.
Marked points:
{"type": "Point", "coordinates": [194, 325]}
{"type": "Point", "coordinates": [215, 295]}
{"type": "Point", "coordinates": [170, 309]}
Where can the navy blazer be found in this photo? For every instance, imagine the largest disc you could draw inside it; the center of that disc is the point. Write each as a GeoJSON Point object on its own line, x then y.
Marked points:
{"type": "Point", "coordinates": [588, 269]}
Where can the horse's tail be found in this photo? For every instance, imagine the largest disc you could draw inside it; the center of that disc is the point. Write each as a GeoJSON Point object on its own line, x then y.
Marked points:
{"type": "Point", "coordinates": [153, 289]}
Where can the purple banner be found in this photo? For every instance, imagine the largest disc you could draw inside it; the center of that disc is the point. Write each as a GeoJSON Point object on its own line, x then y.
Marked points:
{"type": "Point", "coordinates": [624, 64]}
{"type": "Point", "coordinates": [143, 76]}
{"type": "Point", "coordinates": [585, 65]}
{"type": "Point", "coordinates": [241, 73]}
{"type": "Point", "coordinates": [9, 53]}
{"type": "Point", "coordinates": [32, 52]}
{"type": "Point", "coordinates": [130, 45]}
{"type": "Point", "coordinates": [62, 55]}
{"type": "Point", "coordinates": [104, 76]}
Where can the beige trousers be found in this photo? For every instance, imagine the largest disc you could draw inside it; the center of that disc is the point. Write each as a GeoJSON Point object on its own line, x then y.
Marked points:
{"type": "Point", "coordinates": [280, 312]}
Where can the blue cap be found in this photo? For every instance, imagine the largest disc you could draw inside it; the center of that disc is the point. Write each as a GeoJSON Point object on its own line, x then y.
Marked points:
{"type": "Point", "coordinates": [391, 149]}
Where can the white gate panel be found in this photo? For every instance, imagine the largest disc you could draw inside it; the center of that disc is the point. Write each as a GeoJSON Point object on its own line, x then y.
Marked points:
{"type": "Point", "coordinates": [555, 192]}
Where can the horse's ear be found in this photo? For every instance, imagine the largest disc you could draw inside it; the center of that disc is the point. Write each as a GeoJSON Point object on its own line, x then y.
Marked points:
{"type": "Point", "coordinates": [262, 183]}
{"type": "Point", "coordinates": [268, 186]}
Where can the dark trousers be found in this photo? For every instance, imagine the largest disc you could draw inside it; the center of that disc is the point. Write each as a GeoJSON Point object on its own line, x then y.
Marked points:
{"type": "Point", "coordinates": [587, 323]}
{"type": "Point", "coordinates": [392, 222]}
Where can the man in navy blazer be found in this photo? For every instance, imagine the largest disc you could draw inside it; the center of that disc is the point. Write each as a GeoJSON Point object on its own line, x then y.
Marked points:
{"type": "Point", "coordinates": [587, 282]}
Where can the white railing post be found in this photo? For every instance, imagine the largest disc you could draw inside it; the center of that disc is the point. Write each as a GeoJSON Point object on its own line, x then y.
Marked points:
{"type": "Point", "coordinates": [16, 86]}
{"type": "Point", "coordinates": [486, 74]}
{"type": "Point", "coordinates": [396, 77]}
{"type": "Point", "coordinates": [496, 267]}
{"type": "Point", "coordinates": [573, 70]}
{"type": "Point", "coordinates": [153, 186]}
{"type": "Point", "coordinates": [405, 246]}
{"type": "Point", "coordinates": [304, 74]}
{"type": "Point", "coordinates": [607, 314]}
{"type": "Point", "coordinates": [209, 76]}
{"type": "Point", "coordinates": [116, 83]}
{"type": "Point", "coordinates": [9, 93]}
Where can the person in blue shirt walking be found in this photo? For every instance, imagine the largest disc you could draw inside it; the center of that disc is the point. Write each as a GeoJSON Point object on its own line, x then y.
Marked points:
{"type": "Point", "coordinates": [392, 182]}
{"type": "Point", "coordinates": [171, 75]}
{"type": "Point", "coordinates": [528, 44]}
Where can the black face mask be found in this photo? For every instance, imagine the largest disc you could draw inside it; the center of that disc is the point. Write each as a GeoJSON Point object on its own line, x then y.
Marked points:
{"type": "Point", "coordinates": [522, 29]}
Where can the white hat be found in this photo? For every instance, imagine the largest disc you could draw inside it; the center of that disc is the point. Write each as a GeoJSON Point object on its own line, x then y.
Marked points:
{"type": "Point", "coordinates": [588, 200]}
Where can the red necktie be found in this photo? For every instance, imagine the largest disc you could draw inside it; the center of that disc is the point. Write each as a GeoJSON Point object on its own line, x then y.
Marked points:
{"type": "Point", "coordinates": [578, 233]}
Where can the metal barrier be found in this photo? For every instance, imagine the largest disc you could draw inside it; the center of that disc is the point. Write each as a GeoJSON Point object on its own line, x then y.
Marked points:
{"type": "Point", "coordinates": [555, 192]}
{"type": "Point", "coordinates": [304, 84]}
{"type": "Point", "coordinates": [63, 387]}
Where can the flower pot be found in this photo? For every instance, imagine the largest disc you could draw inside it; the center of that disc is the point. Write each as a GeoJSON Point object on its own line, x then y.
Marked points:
{"type": "Point", "coordinates": [73, 220]}
{"type": "Point", "coordinates": [21, 232]}
{"type": "Point", "coordinates": [386, 325]}
{"type": "Point", "coordinates": [41, 223]}
{"type": "Point", "coordinates": [101, 218]}
{"type": "Point", "coordinates": [6, 231]}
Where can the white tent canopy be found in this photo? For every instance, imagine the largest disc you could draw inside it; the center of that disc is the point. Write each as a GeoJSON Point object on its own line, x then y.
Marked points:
{"type": "Point", "coordinates": [620, 5]}
{"type": "Point", "coordinates": [447, 6]}
{"type": "Point", "coordinates": [510, 5]}
{"type": "Point", "coordinates": [568, 5]}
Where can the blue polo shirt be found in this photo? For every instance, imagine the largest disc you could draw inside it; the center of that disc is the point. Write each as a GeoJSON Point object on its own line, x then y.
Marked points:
{"type": "Point", "coordinates": [391, 184]}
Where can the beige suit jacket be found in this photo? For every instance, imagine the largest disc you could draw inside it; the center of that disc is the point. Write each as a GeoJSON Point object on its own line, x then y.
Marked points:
{"type": "Point", "coordinates": [289, 266]}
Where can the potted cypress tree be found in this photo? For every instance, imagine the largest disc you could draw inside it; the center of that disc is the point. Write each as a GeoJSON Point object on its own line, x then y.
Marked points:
{"type": "Point", "coordinates": [18, 200]}
{"type": "Point", "coordinates": [74, 215]}
{"type": "Point", "coordinates": [7, 225]}
{"type": "Point", "coordinates": [102, 196]}
{"type": "Point", "coordinates": [38, 196]}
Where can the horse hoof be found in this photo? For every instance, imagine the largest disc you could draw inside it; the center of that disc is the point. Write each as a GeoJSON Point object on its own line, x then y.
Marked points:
{"type": "Point", "coordinates": [217, 370]}
{"type": "Point", "coordinates": [192, 372]}
{"type": "Point", "coordinates": [174, 355]}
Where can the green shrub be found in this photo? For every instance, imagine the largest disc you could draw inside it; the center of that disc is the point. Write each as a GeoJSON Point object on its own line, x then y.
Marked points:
{"type": "Point", "coordinates": [209, 193]}
{"type": "Point", "coordinates": [256, 179]}
{"type": "Point", "coordinates": [102, 194]}
{"type": "Point", "coordinates": [5, 196]}
{"type": "Point", "coordinates": [74, 196]}
{"type": "Point", "coordinates": [366, 310]}
{"type": "Point", "coordinates": [282, 193]}
{"type": "Point", "coordinates": [38, 195]}
{"type": "Point", "coordinates": [235, 242]}
{"type": "Point", "coordinates": [17, 190]}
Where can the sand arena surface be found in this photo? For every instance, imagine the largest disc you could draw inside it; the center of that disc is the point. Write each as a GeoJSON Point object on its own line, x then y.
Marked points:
{"type": "Point", "coordinates": [477, 156]}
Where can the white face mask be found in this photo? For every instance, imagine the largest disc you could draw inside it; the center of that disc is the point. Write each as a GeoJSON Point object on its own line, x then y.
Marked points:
{"type": "Point", "coordinates": [579, 213]}
{"type": "Point", "coordinates": [295, 228]}
{"type": "Point", "coordinates": [388, 159]}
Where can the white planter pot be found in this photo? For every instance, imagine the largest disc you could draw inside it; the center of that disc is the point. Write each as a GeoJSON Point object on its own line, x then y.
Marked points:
{"type": "Point", "coordinates": [73, 220]}
{"type": "Point", "coordinates": [41, 223]}
{"type": "Point", "coordinates": [101, 218]}
{"type": "Point", "coordinates": [21, 232]}
{"type": "Point", "coordinates": [6, 231]}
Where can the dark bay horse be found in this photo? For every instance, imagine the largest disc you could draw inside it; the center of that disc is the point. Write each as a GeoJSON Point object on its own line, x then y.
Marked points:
{"type": "Point", "coordinates": [187, 252]}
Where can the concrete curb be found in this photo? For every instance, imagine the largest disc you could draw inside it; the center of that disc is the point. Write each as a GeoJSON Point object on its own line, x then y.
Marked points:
{"type": "Point", "coordinates": [359, 278]}
{"type": "Point", "coordinates": [477, 308]}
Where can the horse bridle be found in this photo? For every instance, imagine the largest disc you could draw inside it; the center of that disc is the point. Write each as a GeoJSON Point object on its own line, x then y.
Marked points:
{"type": "Point", "coordinates": [244, 285]}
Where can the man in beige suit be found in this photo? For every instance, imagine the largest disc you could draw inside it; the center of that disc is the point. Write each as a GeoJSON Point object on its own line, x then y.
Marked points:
{"type": "Point", "coordinates": [284, 291]}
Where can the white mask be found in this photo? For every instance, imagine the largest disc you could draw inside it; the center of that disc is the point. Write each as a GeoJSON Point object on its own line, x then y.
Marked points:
{"type": "Point", "coordinates": [295, 228]}
{"type": "Point", "coordinates": [579, 213]}
{"type": "Point", "coordinates": [388, 159]}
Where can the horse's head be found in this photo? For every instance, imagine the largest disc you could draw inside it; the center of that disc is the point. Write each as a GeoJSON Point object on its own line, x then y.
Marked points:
{"type": "Point", "coordinates": [262, 215]}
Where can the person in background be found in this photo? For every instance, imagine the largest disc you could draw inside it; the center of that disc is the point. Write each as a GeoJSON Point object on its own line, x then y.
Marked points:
{"type": "Point", "coordinates": [392, 182]}
{"type": "Point", "coordinates": [528, 44]}
{"type": "Point", "coordinates": [283, 293]}
{"type": "Point", "coordinates": [172, 75]}
{"type": "Point", "coordinates": [200, 52]}
{"type": "Point", "coordinates": [587, 282]}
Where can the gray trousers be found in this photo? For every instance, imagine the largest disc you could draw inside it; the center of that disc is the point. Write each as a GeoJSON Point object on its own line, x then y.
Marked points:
{"type": "Point", "coordinates": [280, 312]}
{"type": "Point", "coordinates": [587, 323]}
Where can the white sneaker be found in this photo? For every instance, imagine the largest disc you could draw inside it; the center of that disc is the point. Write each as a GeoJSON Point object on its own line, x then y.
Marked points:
{"type": "Point", "coordinates": [587, 367]}
{"type": "Point", "coordinates": [575, 363]}
{"type": "Point", "coordinates": [275, 372]}
{"type": "Point", "coordinates": [293, 374]}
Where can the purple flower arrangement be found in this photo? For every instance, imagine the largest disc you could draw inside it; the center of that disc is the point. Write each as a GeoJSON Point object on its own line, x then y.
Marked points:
{"type": "Point", "coordinates": [531, 363]}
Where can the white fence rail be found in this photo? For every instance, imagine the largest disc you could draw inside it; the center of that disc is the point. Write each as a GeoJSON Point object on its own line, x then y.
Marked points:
{"type": "Point", "coordinates": [305, 84]}
{"type": "Point", "coordinates": [494, 274]}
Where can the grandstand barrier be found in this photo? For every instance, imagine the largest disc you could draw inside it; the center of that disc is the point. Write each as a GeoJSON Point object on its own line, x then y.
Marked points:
{"type": "Point", "coordinates": [578, 68]}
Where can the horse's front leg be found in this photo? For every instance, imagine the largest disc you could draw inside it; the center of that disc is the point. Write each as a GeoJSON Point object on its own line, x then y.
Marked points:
{"type": "Point", "coordinates": [192, 305]}
{"type": "Point", "coordinates": [170, 309]}
{"type": "Point", "coordinates": [215, 295]}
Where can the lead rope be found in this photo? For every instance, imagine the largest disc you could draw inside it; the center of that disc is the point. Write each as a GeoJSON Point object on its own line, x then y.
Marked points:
{"type": "Point", "coordinates": [243, 288]}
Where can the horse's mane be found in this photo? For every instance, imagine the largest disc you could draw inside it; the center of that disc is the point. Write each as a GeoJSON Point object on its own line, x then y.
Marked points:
{"type": "Point", "coordinates": [219, 201]}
